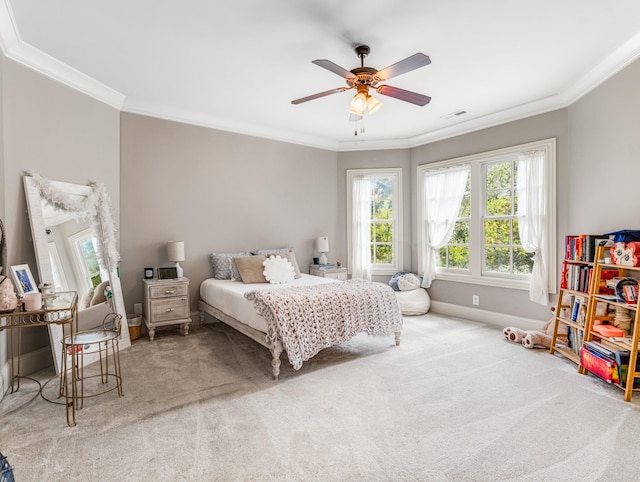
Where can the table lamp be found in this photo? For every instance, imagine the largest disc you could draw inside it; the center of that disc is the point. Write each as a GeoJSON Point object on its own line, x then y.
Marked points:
{"type": "Point", "coordinates": [175, 253]}
{"type": "Point", "coordinates": [322, 246]}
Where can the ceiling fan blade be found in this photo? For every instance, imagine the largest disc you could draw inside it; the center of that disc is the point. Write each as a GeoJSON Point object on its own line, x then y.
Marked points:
{"type": "Point", "coordinates": [406, 95]}
{"type": "Point", "coordinates": [410, 63]}
{"type": "Point", "coordinates": [318, 95]}
{"type": "Point", "coordinates": [335, 68]}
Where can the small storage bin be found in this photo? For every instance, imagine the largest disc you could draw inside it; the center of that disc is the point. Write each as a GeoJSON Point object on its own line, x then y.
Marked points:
{"type": "Point", "coordinates": [135, 326]}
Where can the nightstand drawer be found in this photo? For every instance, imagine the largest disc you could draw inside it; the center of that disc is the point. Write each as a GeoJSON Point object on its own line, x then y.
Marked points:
{"type": "Point", "coordinates": [342, 275]}
{"type": "Point", "coordinates": [167, 291]}
{"type": "Point", "coordinates": [170, 309]}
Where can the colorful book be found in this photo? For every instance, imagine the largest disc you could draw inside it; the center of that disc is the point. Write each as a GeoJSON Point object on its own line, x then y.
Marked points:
{"type": "Point", "coordinates": [622, 361]}
{"type": "Point", "coordinates": [599, 365]}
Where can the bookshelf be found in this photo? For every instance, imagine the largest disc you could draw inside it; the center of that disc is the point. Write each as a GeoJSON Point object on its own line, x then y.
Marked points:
{"type": "Point", "coordinates": [571, 310]}
{"type": "Point", "coordinates": [576, 284]}
{"type": "Point", "coordinates": [626, 346]}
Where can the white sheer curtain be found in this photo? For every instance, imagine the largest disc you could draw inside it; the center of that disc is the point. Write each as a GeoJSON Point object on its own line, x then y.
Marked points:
{"type": "Point", "coordinates": [361, 229]}
{"type": "Point", "coordinates": [443, 191]}
{"type": "Point", "coordinates": [532, 216]}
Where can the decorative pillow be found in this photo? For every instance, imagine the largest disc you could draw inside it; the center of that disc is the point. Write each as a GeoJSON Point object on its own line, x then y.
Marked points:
{"type": "Point", "coordinates": [223, 266]}
{"type": "Point", "coordinates": [86, 299]}
{"type": "Point", "coordinates": [98, 294]}
{"type": "Point", "coordinates": [267, 252]}
{"type": "Point", "coordinates": [250, 268]}
{"type": "Point", "coordinates": [290, 255]}
{"type": "Point", "coordinates": [408, 282]}
{"type": "Point", "coordinates": [278, 270]}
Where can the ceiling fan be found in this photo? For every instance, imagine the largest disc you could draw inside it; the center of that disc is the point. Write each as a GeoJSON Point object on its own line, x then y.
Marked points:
{"type": "Point", "coordinates": [362, 78]}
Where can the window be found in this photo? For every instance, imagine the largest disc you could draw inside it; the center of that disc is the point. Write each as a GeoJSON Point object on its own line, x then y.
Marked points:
{"type": "Point", "coordinates": [59, 278]}
{"type": "Point", "coordinates": [503, 252]}
{"type": "Point", "coordinates": [485, 247]}
{"type": "Point", "coordinates": [385, 238]}
{"type": "Point", "coordinates": [85, 259]}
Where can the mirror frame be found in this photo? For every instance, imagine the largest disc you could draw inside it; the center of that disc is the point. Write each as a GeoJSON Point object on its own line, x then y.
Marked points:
{"type": "Point", "coordinates": [3, 251]}
{"type": "Point", "coordinates": [57, 190]}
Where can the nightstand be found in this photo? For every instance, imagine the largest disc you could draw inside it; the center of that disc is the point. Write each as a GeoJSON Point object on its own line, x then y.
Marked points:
{"type": "Point", "coordinates": [335, 273]}
{"type": "Point", "coordinates": [166, 302]}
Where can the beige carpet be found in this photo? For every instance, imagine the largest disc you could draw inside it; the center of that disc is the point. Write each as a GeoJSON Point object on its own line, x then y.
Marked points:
{"type": "Point", "coordinates": [454, 402]}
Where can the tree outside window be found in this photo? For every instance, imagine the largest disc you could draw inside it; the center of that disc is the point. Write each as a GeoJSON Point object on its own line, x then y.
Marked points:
{"type": "Point", "coordinates": [485, 247]}
{"type": "Point", "coordinates": [386, 217]}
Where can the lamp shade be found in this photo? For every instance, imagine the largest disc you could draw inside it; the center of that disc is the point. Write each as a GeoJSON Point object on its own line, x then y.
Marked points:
{"type": "Point", "coordinates": [322, 244]}
{"type": "Point", "coordinates": [175, 250]}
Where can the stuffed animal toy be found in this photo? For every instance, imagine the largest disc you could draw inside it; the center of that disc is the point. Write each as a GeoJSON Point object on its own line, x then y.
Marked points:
{"type": "Point", "coordinates": [533, 338]}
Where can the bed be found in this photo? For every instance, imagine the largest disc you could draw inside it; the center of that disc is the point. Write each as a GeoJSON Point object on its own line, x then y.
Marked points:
{"type": "Point", "coordinates": [303, 316]}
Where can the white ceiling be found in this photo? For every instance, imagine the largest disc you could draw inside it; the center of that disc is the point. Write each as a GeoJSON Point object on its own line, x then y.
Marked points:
{"type": "Point", "coordinates": [236, 65]}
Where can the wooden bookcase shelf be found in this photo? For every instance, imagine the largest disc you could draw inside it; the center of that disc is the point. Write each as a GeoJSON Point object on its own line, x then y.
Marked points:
{"type": "Point", "coordinates": [563, 317]}
{"type": "Point", "coordinates": [608, 342]}
{"type": "Point", "coordinates": [581, 325]}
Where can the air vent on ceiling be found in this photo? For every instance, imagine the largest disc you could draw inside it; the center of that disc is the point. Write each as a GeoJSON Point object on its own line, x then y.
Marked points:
{"type": "Point", "coordinates": [455, 114]}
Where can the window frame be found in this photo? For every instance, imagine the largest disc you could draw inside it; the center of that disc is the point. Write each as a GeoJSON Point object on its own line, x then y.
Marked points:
{"type": "Point", "coordinates": [475, 275]}
{"type": "Point", "coordinates": [396, 175]}
{"type": "Point", "coordinates": [79, 263]}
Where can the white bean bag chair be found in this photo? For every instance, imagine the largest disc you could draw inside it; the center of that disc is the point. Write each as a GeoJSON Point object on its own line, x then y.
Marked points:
{"type": "Point", "coordinates": [414, 302]}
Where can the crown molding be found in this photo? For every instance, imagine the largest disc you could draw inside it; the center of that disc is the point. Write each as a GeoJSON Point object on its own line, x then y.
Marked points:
{"type": "Point", "coordinates": [17, 50]}
{"type": "Point", "coordinates": [199, 119]}
{"type": "Point", "coordinates": [620, 58]}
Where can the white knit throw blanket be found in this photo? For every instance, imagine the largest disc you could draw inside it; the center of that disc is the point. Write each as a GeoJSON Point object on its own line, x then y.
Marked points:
{"type": "Point", "coordinates": [309, 318]}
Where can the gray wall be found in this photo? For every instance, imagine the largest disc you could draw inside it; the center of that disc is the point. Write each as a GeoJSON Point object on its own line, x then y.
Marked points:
{"type": "Point", "coordinates": [60, 133]}
{"type": "Point", "coordinates": [602, 193]}
{"type": "Point", "coordinates": [218, 191]}
{"type": "Point", "coordinates": [554, 124]}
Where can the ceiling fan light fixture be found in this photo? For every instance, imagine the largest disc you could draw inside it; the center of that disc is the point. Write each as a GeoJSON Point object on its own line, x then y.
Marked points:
{"type": "Point", "coordinates": [373, 104]}
{"type": "Point", "coordinates": [358, 103]}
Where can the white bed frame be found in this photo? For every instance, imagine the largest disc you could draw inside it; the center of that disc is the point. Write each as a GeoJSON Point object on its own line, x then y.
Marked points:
{"type": "Point", "coordinates": [255, 335]}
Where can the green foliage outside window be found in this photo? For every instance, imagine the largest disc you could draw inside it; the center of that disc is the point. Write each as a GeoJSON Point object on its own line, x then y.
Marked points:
{"type": "Point", "coordinates": [90, 258]}
{"type": "Point", "coordinates": [503, 253]}
{"type": "Point", "coordinates": [382, 221]}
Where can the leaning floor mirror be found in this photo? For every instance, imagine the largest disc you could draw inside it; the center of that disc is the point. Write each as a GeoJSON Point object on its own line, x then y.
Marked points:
{"type": "Point", "coordinates": [74, 241]}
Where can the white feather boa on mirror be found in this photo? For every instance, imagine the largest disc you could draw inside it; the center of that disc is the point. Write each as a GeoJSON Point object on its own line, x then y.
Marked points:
{"type": "Point", "coordinates": [96, 206]}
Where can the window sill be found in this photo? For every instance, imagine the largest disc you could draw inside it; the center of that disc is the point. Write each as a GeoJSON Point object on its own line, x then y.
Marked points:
{"type": "Point", "coordinates": [517, 284]}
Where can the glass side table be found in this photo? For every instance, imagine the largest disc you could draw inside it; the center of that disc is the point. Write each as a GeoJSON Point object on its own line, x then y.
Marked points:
{"type": "Point", "coordinates": [58, 308]}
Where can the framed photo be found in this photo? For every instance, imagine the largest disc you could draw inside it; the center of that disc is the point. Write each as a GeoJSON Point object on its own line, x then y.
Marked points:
{"type": "Point", "coordinates": [23, 279]}
{"type": "Point", "coordinates": [168, 273]}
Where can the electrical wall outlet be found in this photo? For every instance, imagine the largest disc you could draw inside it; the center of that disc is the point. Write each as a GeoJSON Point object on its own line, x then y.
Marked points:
{"type": "Point", "coordinates": [476, 300]}
{"type": "Point", "coordinates": [137, 308]}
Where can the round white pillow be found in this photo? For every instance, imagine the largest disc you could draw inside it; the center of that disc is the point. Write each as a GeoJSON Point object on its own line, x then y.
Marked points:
{"type": "Point", "coordinates": [278, 270]}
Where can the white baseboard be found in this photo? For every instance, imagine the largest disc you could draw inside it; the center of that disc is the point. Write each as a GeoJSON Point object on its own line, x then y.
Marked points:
{"type": "Point", "coordinates": [499, 320]}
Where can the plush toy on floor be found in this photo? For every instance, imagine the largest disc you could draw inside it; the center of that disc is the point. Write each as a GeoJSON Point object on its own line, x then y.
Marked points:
{"type": "Point", "coordinates": [533, 338]}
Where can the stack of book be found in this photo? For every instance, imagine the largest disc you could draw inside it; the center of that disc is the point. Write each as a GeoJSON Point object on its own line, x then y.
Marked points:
{"type": "Point", "coordinates": [324, 266]}
{"type": "Point", "coordinates": [611, 366]}
{"type": "Point", "coordinates": [583, 247]}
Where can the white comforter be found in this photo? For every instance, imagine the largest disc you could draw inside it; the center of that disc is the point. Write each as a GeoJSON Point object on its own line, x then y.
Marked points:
{"type": "Point", "coordinates": [308, 319]}
{"type": "Point", "coordinates": [228, 297]}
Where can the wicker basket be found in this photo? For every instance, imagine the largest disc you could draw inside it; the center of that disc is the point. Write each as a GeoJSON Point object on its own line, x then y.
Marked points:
{"type": "Point", "coordinates": [135, 326]}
